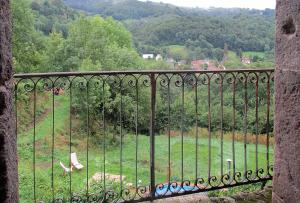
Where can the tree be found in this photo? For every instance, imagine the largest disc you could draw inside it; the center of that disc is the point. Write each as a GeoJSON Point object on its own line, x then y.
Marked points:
{"type": "Point", "coordinates": [8, 143]}
{"type": "Point", "coordinates": [54, 55]}
{"type": "Point", "coordinates": [104, 42]}
{"type": "Point", "coordinates": [27, 42]}
{"type": "Point", "coordinates": [225, 51]}
{"type": "Point", "coordinates": [239, 53]}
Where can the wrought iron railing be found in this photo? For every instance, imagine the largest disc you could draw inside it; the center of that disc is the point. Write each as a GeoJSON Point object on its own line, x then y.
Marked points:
{"type": "Point", "coordinates": [142, 135]}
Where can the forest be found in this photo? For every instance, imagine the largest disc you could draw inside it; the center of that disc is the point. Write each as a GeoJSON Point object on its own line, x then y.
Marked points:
{"type": "Point", "coordinates": [155, 26]}
{"type": "Point", "coordinates": [50, 35]}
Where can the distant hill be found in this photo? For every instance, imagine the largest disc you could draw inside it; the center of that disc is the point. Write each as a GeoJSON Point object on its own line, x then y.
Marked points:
{"type": "Point", "coordinates": [243, 31]}
{"type": "Point", "coordinates": [158, 25]}
{"type": "Point", "coordinates": [124, 9]}
{"type": "Point", "coordinates": [134, 9]}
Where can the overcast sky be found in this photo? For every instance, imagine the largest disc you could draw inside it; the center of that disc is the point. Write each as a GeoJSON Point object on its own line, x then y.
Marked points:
{"type": "Point", "coordinates": [259, 4]}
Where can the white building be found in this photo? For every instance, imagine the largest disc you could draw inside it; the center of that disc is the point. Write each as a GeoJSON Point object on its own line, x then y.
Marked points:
{"type": "Point", "coordinates": [158, 57]}
{"type": "Point", "coordinates": [246, 60]}
{"type": "Point", "coordinates": [148, 56]}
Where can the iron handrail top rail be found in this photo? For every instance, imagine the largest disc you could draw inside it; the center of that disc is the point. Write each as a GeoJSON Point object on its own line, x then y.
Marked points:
{"type": "Point", "coordinates": [142, 72]}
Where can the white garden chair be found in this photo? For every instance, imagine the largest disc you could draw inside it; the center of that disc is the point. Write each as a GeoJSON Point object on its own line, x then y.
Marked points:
{"type": "Point", "coordinates": [66, 170]}
{"type": "Point", "coordinates": [74, 161]}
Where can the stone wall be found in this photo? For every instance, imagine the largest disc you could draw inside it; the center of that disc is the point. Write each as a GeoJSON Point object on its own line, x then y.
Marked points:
{"type": "Point", "coordinates": [262, 196]}
{"type": "Point", "coordinates": [287, 103]}
{"type": "Point", "coordinates": [8, 154]}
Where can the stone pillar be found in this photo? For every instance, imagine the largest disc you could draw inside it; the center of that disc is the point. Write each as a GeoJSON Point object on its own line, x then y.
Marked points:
{"type": "Point", "coordinates": [8, 153]}
{"type": "Point", "coordinates": [286, 181]}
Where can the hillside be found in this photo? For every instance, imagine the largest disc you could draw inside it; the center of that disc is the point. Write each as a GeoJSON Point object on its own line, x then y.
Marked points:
{"type": "Point", "coordinates": [52, 15]}
{"type": "Point", "coordinates": [202, 31]}
{"type": "Point", "coordinates": [124, 9]}
{"type": "Point", "coordinates": [182, 33]}
{"type": "Point", "coordinates": [50, 36]}
{"type": "Point", "coordinates": [135, 9]}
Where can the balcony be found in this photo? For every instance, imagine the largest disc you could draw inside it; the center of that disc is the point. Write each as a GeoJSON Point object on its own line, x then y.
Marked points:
{"type": "Point", "coordinates": [142, 135]}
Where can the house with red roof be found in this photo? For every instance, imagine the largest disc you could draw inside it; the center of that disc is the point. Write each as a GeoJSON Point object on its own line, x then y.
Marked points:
{"type": "Point", "coordinates": [204, 65]}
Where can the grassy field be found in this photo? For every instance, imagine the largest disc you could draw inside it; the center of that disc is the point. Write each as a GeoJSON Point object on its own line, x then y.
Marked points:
{"type": "Point", "coordinates": [251, 54]}
{"type": "Point", "coordinates": [79, 179]}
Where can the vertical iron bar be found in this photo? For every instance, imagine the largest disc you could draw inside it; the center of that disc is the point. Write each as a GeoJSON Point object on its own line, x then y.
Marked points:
{"type": "Point", "coordinates": [268, 124]}
{"type": "Point", "coordinates": [87, 140]}
{"type": "Point", "coordinates": [234, 126]}
{"type": "Point", "coordinates": [182, 128]}
{"type": "Point", "coordinates": [34, 134]}
{"type": "Point", "coordinates": [136, 132]}
{"type": "Point", "coordinates": [245, 123]}
{"type": "Point", "coordinates": [221, 126]}
{"type": "Point", "coordinates": [197, 135]}
{"type": "Point", "coordinates": [209, 129]}
{"type": "Point", "coordinates": [52, 150]}
{"type": "Point", "coordinates": [169, 133]}
{"type": "Point", "coordinates": [70, 140]}
{"type": "Point", "coordinates": [152, 135]}
{"type": "Point", "coordinates": [256, 124]}
{"type": "Point", "coordinates": [121, 136]}
{"type": "Point", "coordinates": [104, 137]}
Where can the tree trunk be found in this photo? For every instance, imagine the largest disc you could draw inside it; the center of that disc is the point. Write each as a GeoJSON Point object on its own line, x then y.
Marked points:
{"type": "Point", "coordinates": [8, 150]}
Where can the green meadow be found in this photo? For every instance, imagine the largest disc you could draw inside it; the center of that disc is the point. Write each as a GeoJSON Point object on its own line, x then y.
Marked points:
{"type": "Point", "coordinates": [52, 145]}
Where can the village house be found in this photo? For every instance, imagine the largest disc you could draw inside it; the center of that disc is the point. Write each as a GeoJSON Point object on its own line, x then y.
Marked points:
{"type": "Point", "coordinates": [204, 65]}
{"type": "Point", "coordinates": [148, 56]}
{"type": "Point", "coordinates": [246, 60]}
{"type": "Point", "coordinates": [158, 57]}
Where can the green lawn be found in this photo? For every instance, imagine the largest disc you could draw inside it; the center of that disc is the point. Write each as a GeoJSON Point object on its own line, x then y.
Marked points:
{"type": "Point", "coordinates": [43, 159]}
{"type": "Point", "coordinates": [251, 54]}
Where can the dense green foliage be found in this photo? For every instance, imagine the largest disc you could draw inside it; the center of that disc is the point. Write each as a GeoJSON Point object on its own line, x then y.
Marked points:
{"type": "Point", "coordinates": [202, 31]}
{"type": "Point", "coordinates": [124, 9]}
{"type": "Point", "coordinates": [52, 15]}
{"type": "Point", "coordinates": [49, 36]}
{"type": "Point", "coordinates": [246, 32]}
{"type": "Point", "coordinates": [27, 42]}
{"type": "Point", "coordinates": [135, 9]}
